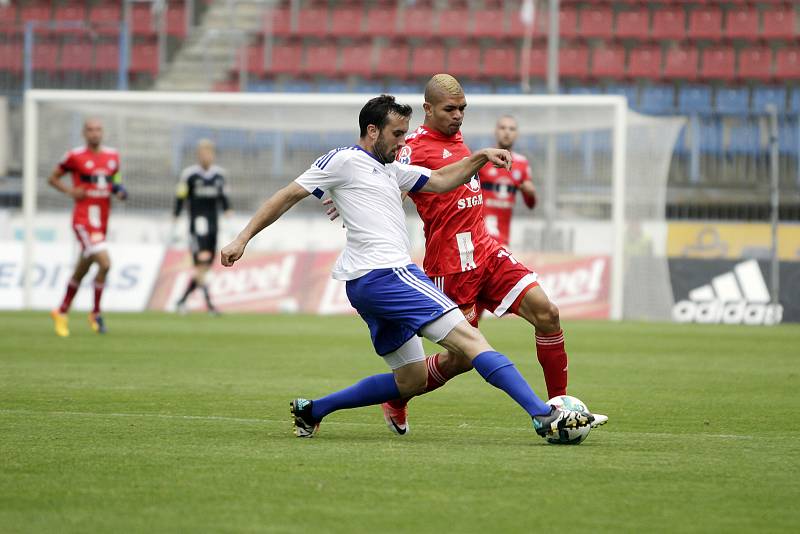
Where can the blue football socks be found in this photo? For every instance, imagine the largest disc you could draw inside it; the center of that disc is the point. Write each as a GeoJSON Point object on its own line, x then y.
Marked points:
{"type": "Point", "coordinates": [500, 372]}
{"type": "Point", "coordinates": [374, 389]}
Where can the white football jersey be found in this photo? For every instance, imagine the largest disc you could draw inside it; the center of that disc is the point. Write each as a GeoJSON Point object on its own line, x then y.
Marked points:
{"type": "Point", "coordinates": [367, 195]}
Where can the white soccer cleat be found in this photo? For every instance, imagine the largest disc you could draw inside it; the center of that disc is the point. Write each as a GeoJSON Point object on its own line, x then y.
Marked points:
{"type": "Point", "coordinates": [599, 420]}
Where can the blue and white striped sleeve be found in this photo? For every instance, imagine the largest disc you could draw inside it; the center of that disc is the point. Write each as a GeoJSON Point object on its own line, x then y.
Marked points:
{"type": "Point", "coordinates": [411, 178]}
{"type": "Point", "coordinates": [325, 174]}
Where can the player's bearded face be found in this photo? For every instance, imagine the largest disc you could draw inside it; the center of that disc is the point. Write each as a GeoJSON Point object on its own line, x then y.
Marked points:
{"type": "Point", "coordinates": [391, 138]}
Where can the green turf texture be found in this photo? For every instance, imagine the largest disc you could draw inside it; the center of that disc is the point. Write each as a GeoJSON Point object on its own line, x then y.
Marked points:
{"type": "Point", "coordinates": [181, 424]}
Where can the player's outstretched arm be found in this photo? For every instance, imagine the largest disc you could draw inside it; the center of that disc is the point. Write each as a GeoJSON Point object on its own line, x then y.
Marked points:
{"type": "Point", "coordinates": [269, 212]}
{"type": "Point", "coordinates": [456, 174]}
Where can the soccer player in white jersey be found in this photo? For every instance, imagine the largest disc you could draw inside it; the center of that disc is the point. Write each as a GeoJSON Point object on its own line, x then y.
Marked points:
{"type": "Point", "coordinates": [393, 296]}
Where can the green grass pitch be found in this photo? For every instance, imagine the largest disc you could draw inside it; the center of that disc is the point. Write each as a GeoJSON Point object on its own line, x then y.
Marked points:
{"type": "Point", "coordinates": [181, 424]}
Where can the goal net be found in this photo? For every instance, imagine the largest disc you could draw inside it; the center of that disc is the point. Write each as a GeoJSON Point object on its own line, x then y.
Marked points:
{"type": "Point", "coordinates": [597, 236]}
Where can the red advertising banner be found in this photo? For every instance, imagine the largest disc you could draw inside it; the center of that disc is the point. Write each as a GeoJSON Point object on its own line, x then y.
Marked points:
{"type": "Point", "coordinates": [300, 282]}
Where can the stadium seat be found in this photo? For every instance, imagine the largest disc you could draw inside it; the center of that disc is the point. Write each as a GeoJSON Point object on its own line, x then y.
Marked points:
{"type": "Point", "coordinates": [516, 28]}
{"type": "Point", "coordinates": [694, 99]}
{"type": "Point", "coordinates": [645, 62]}
{"type": "Point", "coordinates": [427, 60]}
{"type": "Point", "coordinates": [255, 60]}
{"type": "Point", "coordinates": [142, 20]}
{"type": "Point", "coordinates": [357, 60]}
{"type": "Point", "coordinates": [669, 24]}
{"type": "Point", "coordinates": [608, 62]}
{"type": "Point", "coordinates": [286, 59]}
{"type": "Point", "coordinates": [633, 24]}
{"type": "Point", "coordinates": [490, 23]}
{"type": "Point", "coordinates": [455, 23]}
{"type": "Point", "coordinates": [321, 60]}
{"type": "Point", "coordinates": [764, 95]}
{"type": "Point", "coordinates": [794, 100]}
{"type": "Point", "coordinates": [705, 23]}
{"type": "Point", "coordinates": [631, 92]}
{"type": "Point", "coordinates": [568, 23]}
{"type": "Point", "coordinates": [789, 136]}
{"type": "Point", "coordinates": [778, 24]}
{"type": "Point", "coordinates": [538, 62]}
{"type": "Point", "coordinates": [176, 21]}
{"type": "Point", "coordinates": [144, 59]}
{"type": "Point", "coordinates": [418, 22]}
{"type": "Point", "coordinates": [70, 13]}
{"type": "Point", "coordinates": [464, 60]}
{"type": "Point", "coordinates": [744, 138]}
{"type": "Point", "coordinates": [45, 56]}
{"type": "Point", "coordinates": [381, 21]}
{"type": "Point", "coordinates": [346, 22]}
{"type": "Point", "coordinates": [719, 63]}
{"type": "Point", "coordinates": [573, 62]}
{"type": "Point", "coordinates": [106, 58]}
{"type": "Point", "coordinates": [787, 64]}
{"type": "Point", "coordinates": [733, 100]}
{"type": "Point", "coordinates": [741, 24]}
{"type": "Point", "coordinates": [393, 61]}
{"type": "Point", "coordinates": [35, 11]}
{"type": "Point", "coordinates": [681, 63]}
{"type": "Point", "coordinates": [500, 62]}
{"type": "Point", "coordinates": [8, 15]}
{"type": "Point", "coordinates": [11, 57]}
{"type": "Point", "coordinates": [106, 18]}
{"type": "Point", "coordinates": [597, 22]}
{"type": "Point", "coordinates": [278, 22]}
{"type": "Point", "coordinates": [658, 99]}
{"type": "Point", "coordinates": [755, 64]}
{"type": "Point", "coordinates": [312, 22]}
{"type": "Point", "coordinates": [76, 57]}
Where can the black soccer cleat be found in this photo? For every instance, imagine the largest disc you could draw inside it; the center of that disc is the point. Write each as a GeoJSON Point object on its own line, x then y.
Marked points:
{"type": "Point", "coordinates": [305, 426]}
{"type": "Point", "coordinates": [559, 419]}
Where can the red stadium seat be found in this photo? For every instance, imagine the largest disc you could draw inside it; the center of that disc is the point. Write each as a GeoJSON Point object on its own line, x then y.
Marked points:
{"type": "Point", "coordinates": [255, 60]}
{"type": "Point", "coordinates": [501, 63]}
{"type": "Point", "coordinates": [321, 60]}
{"type": "Point", "coordinates": [106, 18]}
{"type": "Point", "coordinates": [778, 24]}
{"type": "Point", "coordinates": [787, 64]}
{"type": "Point", "coordinates": [490, 23]}
{"type": "Point", "coordinates": [142, 21]}
{"type": "Point", "coordinates": [633, 24]}
{"type": "Point", "coordinates": [144, 59]}
{"type": "Point", "coordinates": [464, 61]}
{"type": "Point", "coordinates": [393, 61]}
{"type": "Point", "coordinates": [312, 22]}
{"type": "Point", "coordinates": [106, 57]}
{"type": "Point", "coordinates": [568, 22]}
{"type": "Point", "coordinates": [346, 22]}
{"type": "Point", "coordinates": [427, 60]}
{"type": "Point", "coordinates": [597, 23]}
{"type": "Point", "coordinates": [381, 21]}
{"type": "Point", "coordinates": [755, 64]}
{"type": "Point", "coordinates": [35, 11]}
{"type": "Point", "coordinates": [70, 13]}
{"type": "Point", "coordinates": [681, 63]}
{"type": "Point", "coordinates": [574, 62]}
{"type": "Point", "coordinates": [741, 24]}
{"type": "Point", "coordinates": [176, 21]}
{"type": "Point", "coordinates": [645, 62]}
{"type": "Point", "coordinates": [8, 14]}
{"type": "Point", "coordinates": [286, 59]}
{"type": "Point", "coordinates": [706, 23]}
{"type": "Point", "coordinates": [76, 57]}
{"type": "Point", "coordinates": [11, 57]}
{"type": "Point", "coordinates": [45, 56]}
{"type": "Point", "coordinates": [418, 22]}
{"type": "Point", "coordinates": [719, 63]}
{"type": "Point", "coordinates": [608, 62]}
{"type": "Point", "coordinates": [278, 22]}
{"type": "Point", "coordinates": [455, 23]}
{"type": "Point", "coordinates": [538, 62]}
{"type": "Point", "coordinates": [357, 60]}
{"type": "Point", "coordinates": [669, 24]}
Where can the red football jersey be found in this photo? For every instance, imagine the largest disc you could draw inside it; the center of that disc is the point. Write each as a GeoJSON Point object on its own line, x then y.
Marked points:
{"type": "Point", "coordinates": [500, 188]}
{"type": "Point", "coordinates": [455, 235]}
{"type": "Point", "coordinates": [94, 172]}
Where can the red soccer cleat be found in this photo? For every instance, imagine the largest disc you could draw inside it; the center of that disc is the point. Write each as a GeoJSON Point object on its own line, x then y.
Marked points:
{"type": "Point", "coordinates": [396, 420]}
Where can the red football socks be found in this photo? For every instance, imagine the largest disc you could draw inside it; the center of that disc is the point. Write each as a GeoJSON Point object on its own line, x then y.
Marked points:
{"type": "Point", "coordinates": [553, 358]}
{"type": "Point", "coordinates": [72, 288]}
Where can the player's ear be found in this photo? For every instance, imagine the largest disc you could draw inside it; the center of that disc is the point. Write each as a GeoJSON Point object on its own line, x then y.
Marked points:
{"type": "Point", "coordinates": [428, 108]}
{"type": "Point", "coordinates": [372, 132]}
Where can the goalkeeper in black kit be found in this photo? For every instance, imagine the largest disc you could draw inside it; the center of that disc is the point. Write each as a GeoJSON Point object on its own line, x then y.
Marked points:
{"type": "Point", "coordinates": [202, 186]}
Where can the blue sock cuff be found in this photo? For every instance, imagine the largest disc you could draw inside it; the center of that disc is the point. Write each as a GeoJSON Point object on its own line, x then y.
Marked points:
{"type": "Point", "coordinates": [489, 362]}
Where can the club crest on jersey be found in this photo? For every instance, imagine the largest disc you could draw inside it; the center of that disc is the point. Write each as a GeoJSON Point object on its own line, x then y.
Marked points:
{"type": "Point", "coordinates": [404, 156]}
{"type": "Point", "coordinates": [89, 164]}
{"type": "Point", "coordinates": [474, 184]}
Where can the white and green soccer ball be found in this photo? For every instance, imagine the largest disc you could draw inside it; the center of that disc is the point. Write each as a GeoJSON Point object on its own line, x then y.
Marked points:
{"type": "Point", "coordinates": [569, 436]}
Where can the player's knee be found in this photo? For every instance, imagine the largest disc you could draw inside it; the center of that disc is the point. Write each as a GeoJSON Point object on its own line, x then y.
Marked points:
{"type": "Point", "coordinates": [547, 317]}
{"type": "Point", "coordinates": [412, 384]}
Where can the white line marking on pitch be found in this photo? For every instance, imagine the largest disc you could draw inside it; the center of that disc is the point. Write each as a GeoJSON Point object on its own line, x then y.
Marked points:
{"type": "Point", "coordinates": [340, 423]}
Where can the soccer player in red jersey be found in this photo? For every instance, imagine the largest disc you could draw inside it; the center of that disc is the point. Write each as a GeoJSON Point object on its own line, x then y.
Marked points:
{"type": "Point", "coordinates": [500, 186]}
{"type": "Point", "coordinates": [95, 178]}
{"type": "Point", "coordinates": [463, 260]}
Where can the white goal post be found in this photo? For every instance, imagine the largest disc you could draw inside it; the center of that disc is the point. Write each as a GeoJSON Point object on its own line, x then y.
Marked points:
{"type": "Point", "coordinates": [603, 161]}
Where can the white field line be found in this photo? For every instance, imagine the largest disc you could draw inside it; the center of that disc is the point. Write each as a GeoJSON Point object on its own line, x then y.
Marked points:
{"type": "Point", "coordinates": [327, 423]}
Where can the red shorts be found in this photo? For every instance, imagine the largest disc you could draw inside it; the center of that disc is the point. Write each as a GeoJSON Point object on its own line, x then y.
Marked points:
{"type": "Point", "coordinates": [92, 240]}
{"type": "Point", "coordinates": [497, 285]}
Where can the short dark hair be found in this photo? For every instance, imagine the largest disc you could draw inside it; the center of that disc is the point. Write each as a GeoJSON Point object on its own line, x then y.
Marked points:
{"type": "Point", "coordinates": [377, 110]}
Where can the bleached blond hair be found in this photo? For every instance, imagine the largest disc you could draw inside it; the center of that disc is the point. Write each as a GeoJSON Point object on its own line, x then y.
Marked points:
{"type": "Point", "coordinates": [442, 85]}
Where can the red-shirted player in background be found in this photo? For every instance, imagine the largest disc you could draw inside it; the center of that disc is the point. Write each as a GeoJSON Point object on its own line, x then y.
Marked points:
{"type": "Point", "coordinates": [95, 178]}
{"type": "Point", "coordinates": [500, 186]}
{"type": "Point", "coordinates": [463, 260]}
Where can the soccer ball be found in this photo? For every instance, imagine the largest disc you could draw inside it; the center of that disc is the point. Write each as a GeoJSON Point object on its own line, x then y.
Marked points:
{"type": "Point", "coordinates": [569, 436]}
